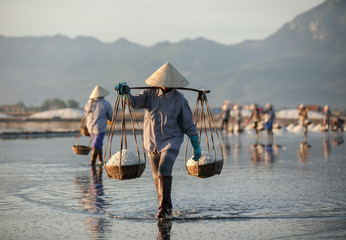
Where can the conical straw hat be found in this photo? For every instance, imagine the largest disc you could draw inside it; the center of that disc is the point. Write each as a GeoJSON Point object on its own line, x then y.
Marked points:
{"type": "Point", "coordinates": [167, 76]}
{"type": "Point", "coordinates": [98, 92]}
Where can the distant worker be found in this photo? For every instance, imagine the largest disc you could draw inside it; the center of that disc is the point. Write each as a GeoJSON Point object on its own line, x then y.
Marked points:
{"type": "Point", "coordinates": [255, 116]}
{"type": "Point", "coordinates": [337, 124]}
{"type": "Point", "coordinates": [225, 115]}
{"type": "Point", "coordinates": [98, 111]}
{"type": "Point", "coordinates": [326, 118]}
{"type": "Point", "coordinates": [269, 118]}
{"type": "Point", "coordinates": [303, 117]}
{"type": "Point", "coordinates": [238, 117]}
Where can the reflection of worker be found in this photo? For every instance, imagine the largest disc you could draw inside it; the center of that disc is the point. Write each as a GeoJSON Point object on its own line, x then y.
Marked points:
{"type": "Point", "coordinates": [303, 153]}
{"type": "Point", "coordinates": [165, 228]}
{"type": "Point", "coordinates": [269, 156]}
{"type": "Point", "coordinates": [92, 201]}
{"type": "Point", "coordinates": [255, 116]}
{"type": "Point", "coordinates": [98, 111]}
{"type": "Point", "coordinates": [237, 148]}
{"type": "Point", "coordinates": [226, 145]}
{"type": "Point", "coordinates": [257, 152]}
{"type": "Point", "coordinates": [167, 118]}
{"type": "Point", "coordinates": [303, 117]}
{"type": "Point", "coordinates": [326, 145]}
{"type": "Point", "coordinates": [225, 114]}
{"type": "Point", "coordinates": [338, 139]}
{"type": "Point", "coordinates": [237, 117]}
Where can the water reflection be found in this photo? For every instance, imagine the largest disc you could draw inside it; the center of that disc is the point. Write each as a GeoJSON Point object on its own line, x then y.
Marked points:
{"type": "Point", "coordinates": [267, 153]}
{"type": "Point", "coordinates": [257, 148]}
{"type": "Point", "coordinates": [303, 151]}
{"type": "Point", "coordinates": [337, 138]}
{"type": "Point", "coordinates": [237, 147]}
{"type": "Point", "coordinates": [91, 200]}
{"type": "Point", "coordinates": [96, 227]}
{"type": "Point", "coordinates": [269, 156]}
{"type": "Point", "coordinates": [164, 228]}
{"type": "Point", "coordinates": [326, 145]}
{"type": "Point", "coordinates": [225, 144]}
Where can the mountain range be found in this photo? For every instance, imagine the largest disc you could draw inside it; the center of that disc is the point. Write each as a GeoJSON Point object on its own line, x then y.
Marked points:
{"type": "Point", "coordinates": [304, 61]}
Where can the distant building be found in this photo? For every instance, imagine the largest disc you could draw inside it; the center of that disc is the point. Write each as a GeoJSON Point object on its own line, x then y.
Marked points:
{"type": "Point", "coordinates": [316, 108]}
{"type": "Point", "coordinates": [17, 108]}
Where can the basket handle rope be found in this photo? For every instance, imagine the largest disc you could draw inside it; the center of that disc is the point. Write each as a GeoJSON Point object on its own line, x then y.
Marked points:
{"type": "Point", "coordinates": [111, 130]}
{"type": "Point", "coordinates": [132, 115]}
{"type": "Point", "coordinates": [122, 101]}
{"type": "Point", "coordinates": [212, 126]}
{"type": "Point", "coordinates": [205, 120]}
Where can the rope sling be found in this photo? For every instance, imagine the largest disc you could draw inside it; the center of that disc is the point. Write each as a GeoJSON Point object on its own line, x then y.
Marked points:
{"type": "Point", "coordinates": [82, 149]}
{"type": "Point", "coordinates": [123, 171]}
{"type": "Point", "coordinates": [204, 120]}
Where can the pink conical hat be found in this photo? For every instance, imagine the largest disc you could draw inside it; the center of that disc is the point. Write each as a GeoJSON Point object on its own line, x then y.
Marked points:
{"type": "Point", "coordinates": [167, 76]}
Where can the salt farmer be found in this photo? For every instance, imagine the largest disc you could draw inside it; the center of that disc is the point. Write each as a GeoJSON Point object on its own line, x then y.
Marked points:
{"type": "Point", "coordinates": [98, 112]}
{"type": "Point", "coordinates": [269, 118]}
{"type": "Point", "coordinates": [326, 118]}
{"type": "Point", "coordinates": [303, 117]}
{"type": "Point", "coordinates": [337, 124]}
{"type": "Point", "coordinates": [225, 114]}
{"type": "Point", "coordinates": [237, 117]}
{"type": "Point", "coordinates": [255, 116]}
{"type": "Point", "coordinates": [167, 118]}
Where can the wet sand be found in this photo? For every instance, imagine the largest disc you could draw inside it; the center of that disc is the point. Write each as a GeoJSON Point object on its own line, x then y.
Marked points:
{"type": "Point", "coordinates": [294, 189]}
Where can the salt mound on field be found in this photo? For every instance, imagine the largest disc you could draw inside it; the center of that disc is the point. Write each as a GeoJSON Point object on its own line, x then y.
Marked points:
{"type": "Point", "coordinates": [3, 115]}
{"type": "Point", "coordinates": [290, 127]}
{"type": "Point", "coordinates": [127, 158]}
{"type": "Point", "coordinates": [204, 159]}
{"type": "Point", "coordinates": [60, 113]}
{"type": "Point", "coordinates": [244, 113]}
{"type": "Point", "coordinates": [315, 128]}
{"type": "Point", "coordinates": [293, 114]}
{"type": "Point", "coordinates": [298, 129]}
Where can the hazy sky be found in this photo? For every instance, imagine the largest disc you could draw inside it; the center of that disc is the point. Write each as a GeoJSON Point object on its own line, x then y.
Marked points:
{"type": "Point", "coordinates": [148, 22]}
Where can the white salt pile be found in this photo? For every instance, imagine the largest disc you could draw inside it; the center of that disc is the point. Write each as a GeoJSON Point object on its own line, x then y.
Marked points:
{"type": "Point", "coordinates": [59, 113]}
{"type": "Point", "coordinates": [127, 158]}
{"type": "Point", "coordinates": [204, 159]}
{"type": "Point", "coordinates": [293, 114]}
{"type": "Point", "coordinates": [3, 115]}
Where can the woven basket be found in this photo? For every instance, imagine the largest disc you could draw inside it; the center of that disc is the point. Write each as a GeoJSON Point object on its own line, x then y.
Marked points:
{"type": "Point", "coordinates": [205, 171]}
{"type": "Point", "coordinates": [125, 172]}
{"type": "Point", "coordinates": [81, 150]}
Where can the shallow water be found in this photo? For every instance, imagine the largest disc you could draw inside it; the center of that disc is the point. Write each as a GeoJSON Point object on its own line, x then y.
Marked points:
{"type": "Point", "coordinates": [294, 189]}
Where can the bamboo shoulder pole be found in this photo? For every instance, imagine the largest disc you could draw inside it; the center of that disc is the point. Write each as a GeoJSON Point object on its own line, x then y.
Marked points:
{"type": "Point", "coordinates": [189, 89]}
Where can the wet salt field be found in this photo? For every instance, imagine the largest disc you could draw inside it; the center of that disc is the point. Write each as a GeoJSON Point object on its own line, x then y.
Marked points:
{"type": "Point", "coordinates": [294, 189]}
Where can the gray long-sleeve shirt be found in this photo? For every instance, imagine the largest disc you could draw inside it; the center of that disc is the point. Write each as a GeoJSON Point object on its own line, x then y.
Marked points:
{"type": "Point", "coordinates": [167, 117]}
{"type": "Point", "coordinates": [100, 112]}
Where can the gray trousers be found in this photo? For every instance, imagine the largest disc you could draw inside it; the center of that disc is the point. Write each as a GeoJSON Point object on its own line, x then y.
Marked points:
{"type": "Point", "coordinates": [161, 166]}
{"type": "Point", "coordinates": [162, 162]}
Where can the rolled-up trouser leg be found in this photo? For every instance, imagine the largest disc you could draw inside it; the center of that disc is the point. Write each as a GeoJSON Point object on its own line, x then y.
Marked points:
{"type": "Point", "coordinates": [93, 156]}
{"type": "Point", "coordinates": [100, 156]}
{"type": "Point", "coordinates": [97, 146]}
{"type": "Point", "coordinates": [161, 166]}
